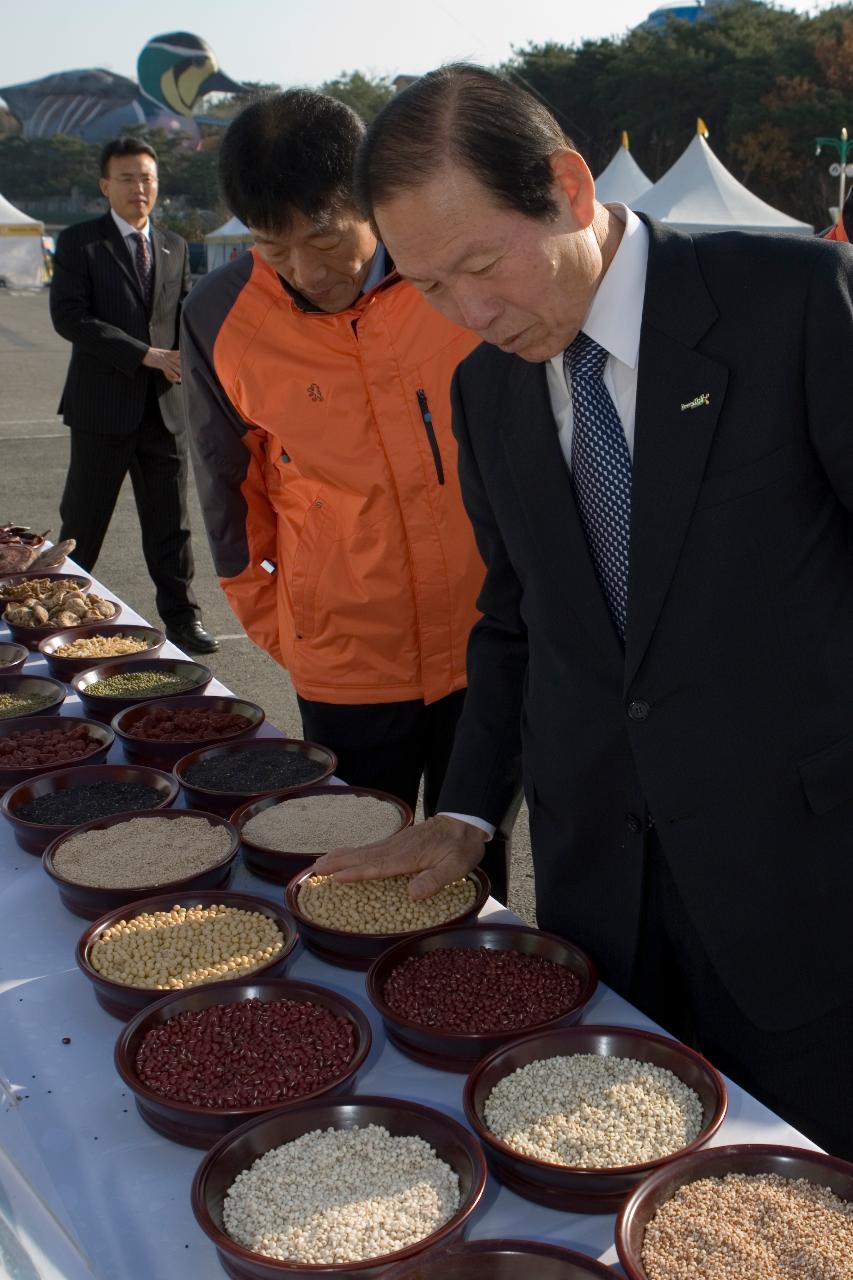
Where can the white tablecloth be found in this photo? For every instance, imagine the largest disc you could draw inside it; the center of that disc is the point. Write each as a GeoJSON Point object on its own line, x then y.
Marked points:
{"type": "Point", "coordinates": [121, 1189]}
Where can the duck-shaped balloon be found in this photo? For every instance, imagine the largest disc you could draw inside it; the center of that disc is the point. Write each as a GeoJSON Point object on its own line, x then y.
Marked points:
{"type": "Point", "coordinates": [175, 72]}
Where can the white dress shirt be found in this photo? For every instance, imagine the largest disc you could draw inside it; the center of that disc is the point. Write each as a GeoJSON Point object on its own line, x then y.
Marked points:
{"type": "Point", "coordinates": [613, 321]}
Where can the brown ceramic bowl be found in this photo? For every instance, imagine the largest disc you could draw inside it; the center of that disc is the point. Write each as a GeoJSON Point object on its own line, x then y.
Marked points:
{"type": "Point", "coordinates": [90, 901]}
{"type": "Point", "coordinates": [105, 707]}
{"type": "Point", "coordinates": [166, 754]}
{"type": "Point", "coordinates": [33, 636]}
{"type": "Point", "coordinates": [68, 668]}
{"type": "Point", "coordinates": [123, 1001]}
{"type": "Point", "coordinates": [36, 686]}
{"type": "Point", "coordinates": [502, 1260]}
{"type": "Point", "coordinates": [359, 950]}
{"type": "Point", "coordinates": [450, 1140]}
{"type": "Point", "coordinates": [788, 1162]}
{"type": "Point", "coordinates": [567, 1187]}
{"type": "Point", "coordinates": [9, 777]}
{"type": "Point", "coordinates": [226, 802]}
{"type": "Point", "coordinates": [278, 866]}
{"type": "Point", "coordinates": [201, 1126]}
{"type": "Point", "coordinates": [458, 1050]}
{"type": "Point", "coordinates": [12, 657]}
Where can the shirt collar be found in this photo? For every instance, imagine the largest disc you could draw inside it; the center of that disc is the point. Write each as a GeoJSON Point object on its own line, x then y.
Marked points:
{"type": "Point", "coordinates": [615, 316]}
{"type": "Point", "coordinates": [378, 269]}
{"type": "Point", "coordinates": [127, 230]}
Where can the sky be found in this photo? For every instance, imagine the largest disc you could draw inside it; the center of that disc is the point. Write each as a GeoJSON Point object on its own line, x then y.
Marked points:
{"type": "Point", "coordinates": [292, 42]}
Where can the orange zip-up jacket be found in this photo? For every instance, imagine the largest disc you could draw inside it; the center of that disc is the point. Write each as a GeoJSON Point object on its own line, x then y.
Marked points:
{"type": "Point", "coordinates": [323, 451]}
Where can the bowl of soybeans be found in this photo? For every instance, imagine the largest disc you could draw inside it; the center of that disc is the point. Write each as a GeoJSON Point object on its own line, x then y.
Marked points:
{"type": "Point", "coordinates": [741, 1211]}
{"type": "Point", "coordinates": [68, 653]}
{"type": "Point", "coordinates": [138, 953]}
{"type": "Point", "coordinates": [352, 924]}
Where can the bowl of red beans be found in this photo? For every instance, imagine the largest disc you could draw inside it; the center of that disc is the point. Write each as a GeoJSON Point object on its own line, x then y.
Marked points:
{"type": "Point", "coordinates": [33, 745]}
{"type": "Point", "coordinates": [450, 996]}
{"type": "Point", "coordinates": [162, 730]}
{"type": "Point", "coordinates": [202, 1062]}
{"type": "Point", "coordinates": [502, 1260]}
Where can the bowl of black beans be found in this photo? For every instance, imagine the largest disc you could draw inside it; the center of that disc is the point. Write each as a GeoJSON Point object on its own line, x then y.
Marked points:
{"type": "Point", "coordinates": [220, 779]}
{"type": "Point", "coordinates": [45, 807]}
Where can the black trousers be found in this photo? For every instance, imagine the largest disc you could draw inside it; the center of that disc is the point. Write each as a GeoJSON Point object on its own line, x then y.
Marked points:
{"type": "Point", "coordinates": [157, 462]}
{"type": "Point", "coordinates": [391, 746]}
{"type": "Point", "coordinates": [804, 1074]}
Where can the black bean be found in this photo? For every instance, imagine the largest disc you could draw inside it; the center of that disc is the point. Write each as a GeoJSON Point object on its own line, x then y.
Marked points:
{"type": "Point", "coordinates": [82, 804]}
{"type": "Point", "coordinates": [252, 772]}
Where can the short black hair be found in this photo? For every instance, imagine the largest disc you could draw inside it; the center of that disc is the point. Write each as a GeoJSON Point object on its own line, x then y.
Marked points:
{"type": "Point", "coordinates": [498, 132]}
{"type": "Point", "coordinates": [289, 153]}
{"type": "Point", "coordinates": [126, 146]}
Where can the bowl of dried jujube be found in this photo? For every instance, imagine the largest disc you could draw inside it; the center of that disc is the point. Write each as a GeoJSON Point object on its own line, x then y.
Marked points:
{"type": "Point", "coordinates": [575, 1118]}
{"type": "Point", "coordinates": [121, 859]}
{"type": "Point", "coordinates": [352, 924]}
{"type": "Point", "coordinates": [282, 833]}
{"type": "Point", "coordinates": [294, 1194]}
{"type": "Point", "coordinates": [140, 952]}
{"type": "Point", "coordinates": [741, 1213]}
{"type": "Point", "coordinates": [450, 996]}
{"type": "Point", "coordinates": [202, 1062]}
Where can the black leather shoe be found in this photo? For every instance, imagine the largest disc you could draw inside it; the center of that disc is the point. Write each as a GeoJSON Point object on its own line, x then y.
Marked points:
{"type": "Point", "coordinates": [191, 635]}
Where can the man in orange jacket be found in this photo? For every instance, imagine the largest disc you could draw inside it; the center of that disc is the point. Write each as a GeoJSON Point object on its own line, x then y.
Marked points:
{"type": "Point", "coordinates": [317, 388]}
{"type": "Point", "coordinates": [843, 228]}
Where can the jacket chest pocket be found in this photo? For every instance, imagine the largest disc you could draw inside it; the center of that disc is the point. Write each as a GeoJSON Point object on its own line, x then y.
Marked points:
{"type": "Point", "coordinates": [312, 550]}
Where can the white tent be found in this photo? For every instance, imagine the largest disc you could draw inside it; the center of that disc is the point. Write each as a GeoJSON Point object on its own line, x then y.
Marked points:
{"type": "Point", "coordinates": [21, 257]}
{"type": "Point", "coordinates": [226, 242]}
{"type": "Point", "coordinates": [623, 180]}
{"type": "Point", "coordinates": [699, 194]}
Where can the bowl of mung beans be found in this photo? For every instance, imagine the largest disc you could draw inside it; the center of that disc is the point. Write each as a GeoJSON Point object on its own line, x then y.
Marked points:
{"type": "Point", "coordinates": [202, 1062]}
{"type": "Point", "coordinates": [34, 745]}
{"type": "Point", "coordinates": [222, 778]}
{"type": "Point", "coordinates": [77, 649]}
{"type": "Point", "coordinates": [165, 729]}
{"type": "Point", "coordinates": [352, 924]}
{"type": "Point", "coordinates": [109, 687]}
{"type": "Point", "coordinates": [139, 952]}
{"type": "Point", "coordinates": [502, 1260]}
{"type": "Point", "coordinates": [738, 1213]}
{"type": "Point", "coordinates": [115, 861]}
{"type": "Point", "coordinates": [450, 996]}
{"type": "Point", "coordinates": [22, 695]}
{"type": "Point", "coordinates": [283, 833]}
{"type": "Point", "coordinates": [292, 1194]}
{"type": "Point", "coordinates": [12, 657]}
{"type": "Point", "coordinates": [575, 1118]}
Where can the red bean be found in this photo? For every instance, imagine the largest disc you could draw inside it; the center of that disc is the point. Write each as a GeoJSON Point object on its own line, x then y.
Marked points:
{"type": "Point", "coordinates": [28, 748]}
{"type": "Point", "coordinates": [480, 990]}
{"type": "Point", "coordinates": [164, 724]}
{"type": "Point", "coordinates": [242, 1054]}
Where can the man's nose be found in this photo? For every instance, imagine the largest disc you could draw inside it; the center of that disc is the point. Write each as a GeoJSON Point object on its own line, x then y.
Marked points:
{"type": "Point", "coordinates": [477, 308]}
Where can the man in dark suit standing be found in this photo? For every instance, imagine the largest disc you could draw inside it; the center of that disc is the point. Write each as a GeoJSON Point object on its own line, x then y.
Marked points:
{"type": "Point", "coordinates": [659, 471]}
{"type": "Point", "coordinates": [116, 294]}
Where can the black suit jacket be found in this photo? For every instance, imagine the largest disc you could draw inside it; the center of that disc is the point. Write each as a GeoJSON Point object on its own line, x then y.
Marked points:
{"type": "Point", "coordinates": [96, 303]}
{"type": "Point", "coordinates": [729, 717]}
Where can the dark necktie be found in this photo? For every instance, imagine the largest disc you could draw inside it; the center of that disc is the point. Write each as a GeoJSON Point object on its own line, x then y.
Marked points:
{"type": "Point", "coordinates": [601, 473]}
{"type": "Point", "coordinates": [144, 266]}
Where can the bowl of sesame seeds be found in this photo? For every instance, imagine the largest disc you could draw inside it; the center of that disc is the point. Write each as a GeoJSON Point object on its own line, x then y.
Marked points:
{"type": "Point", "coordinates": [137, 953]}
{"type": "Point", "coordinates": [740, 1212]}
{"type": "Point", "coordinates": [340, 1189]}
{"type": "Point", "coordinates": [575, 1118]}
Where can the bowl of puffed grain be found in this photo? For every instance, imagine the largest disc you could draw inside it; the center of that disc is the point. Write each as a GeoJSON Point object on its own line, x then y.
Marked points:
{"type": "Point", "coordinates": [76, 649]}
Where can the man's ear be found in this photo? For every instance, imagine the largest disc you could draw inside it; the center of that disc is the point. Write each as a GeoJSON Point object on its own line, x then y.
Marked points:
{"type": "Point", "coordinates": [103, 184]}
{"type": "Point", "coordinates": [575, 184]}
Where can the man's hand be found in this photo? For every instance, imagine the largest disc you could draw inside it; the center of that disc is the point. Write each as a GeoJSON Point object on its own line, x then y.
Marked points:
{"type": "Point", "coordinates": [166, 362]}
{"type": "Point", "coordinates": [435, 852]}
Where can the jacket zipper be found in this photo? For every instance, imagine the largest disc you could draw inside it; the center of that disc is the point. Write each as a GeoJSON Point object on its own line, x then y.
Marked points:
{"type": "Point", "coordinates": [431, 437]}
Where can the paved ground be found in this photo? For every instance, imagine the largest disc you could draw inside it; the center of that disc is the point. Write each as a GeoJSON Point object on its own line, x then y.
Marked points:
{"type": "Point", "coordinates": [33, 460]}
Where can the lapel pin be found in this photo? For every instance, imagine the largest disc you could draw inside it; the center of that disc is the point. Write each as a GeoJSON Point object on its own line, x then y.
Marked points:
{"type": "Point", "coordinates": [698, 402]}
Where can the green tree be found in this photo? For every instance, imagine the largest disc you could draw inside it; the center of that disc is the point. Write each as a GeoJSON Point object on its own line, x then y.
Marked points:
{"type": "Point", "coordinates": [365, 94]}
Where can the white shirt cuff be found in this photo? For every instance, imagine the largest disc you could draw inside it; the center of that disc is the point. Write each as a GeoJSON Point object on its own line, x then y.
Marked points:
{"type": "Point", "coordinates": [472, 822]}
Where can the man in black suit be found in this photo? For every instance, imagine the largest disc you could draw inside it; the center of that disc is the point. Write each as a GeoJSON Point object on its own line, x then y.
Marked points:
{"type": "Point", "coordinates": [659, 470]}
{"type": "Point", "coordinates": [116, 294]}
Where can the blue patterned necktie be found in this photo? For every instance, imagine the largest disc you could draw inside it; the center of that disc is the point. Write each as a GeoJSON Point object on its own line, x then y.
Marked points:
{"type": "Point", "coordinates": [144, 266]}
{"type": "Point", "coordinates": [601, 473]}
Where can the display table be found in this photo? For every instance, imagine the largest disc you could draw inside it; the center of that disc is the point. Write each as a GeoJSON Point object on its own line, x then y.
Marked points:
{"type": "Point", "coordinates": [119, 1187]}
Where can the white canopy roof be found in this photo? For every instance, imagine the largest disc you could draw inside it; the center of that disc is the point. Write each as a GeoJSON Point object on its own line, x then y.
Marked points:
{"type": "Point", "coordinates": [231, 232]}
{"type": "Point", "coordinates": [12, 217]}
{"type": "Point", "coordinates": [21, 256]}
{"type": "Point", "coordinates": [699, 194]}
{"type": "Point", "coordinates": [623, 180]}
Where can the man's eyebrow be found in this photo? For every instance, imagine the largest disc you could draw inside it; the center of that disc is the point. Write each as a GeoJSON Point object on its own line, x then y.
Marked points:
{"type": "Point", "coordinates": [471, 251]}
